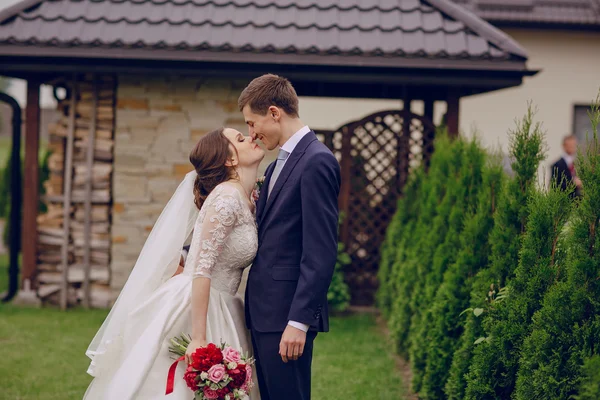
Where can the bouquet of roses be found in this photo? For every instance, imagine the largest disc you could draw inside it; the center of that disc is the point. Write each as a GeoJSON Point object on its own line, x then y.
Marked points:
{"type": "Point", "coordinates": [215, 373]}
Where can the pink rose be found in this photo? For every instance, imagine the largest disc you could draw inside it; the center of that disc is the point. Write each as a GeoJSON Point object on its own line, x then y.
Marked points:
{"type": "Point", "coordinates": [210, 394]}
{"type": "Point", "coordinates": [216, 373]}
{"type": "Point", "coordinates": [231, 355]}
{"type": "Point", "coordinates": [248, 384]}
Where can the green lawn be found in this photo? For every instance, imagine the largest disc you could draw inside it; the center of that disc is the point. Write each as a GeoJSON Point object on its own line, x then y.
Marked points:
{"type": "Point", "coordinates": [3, 272]}
{"type": "Point", "coordinates": [43, 356]}
{"type": "Point", "coordinates": [43, 352]}
{"type": "Point", "coordinates": [354, 362]}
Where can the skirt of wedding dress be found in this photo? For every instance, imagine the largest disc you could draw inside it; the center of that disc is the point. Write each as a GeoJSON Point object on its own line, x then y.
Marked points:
{"type": "Point", "coordinates": [140, 371]}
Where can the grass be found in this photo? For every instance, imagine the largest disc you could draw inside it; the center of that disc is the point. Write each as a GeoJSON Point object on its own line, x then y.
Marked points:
{"type": "Point", "coordinates": [43, 352]}
{"type": "Point", "coordinates": [354, 361]}
{"type": "Point", "coordinates": [3, 272]}
{"type": "Point", "coordinates": [43, 356]}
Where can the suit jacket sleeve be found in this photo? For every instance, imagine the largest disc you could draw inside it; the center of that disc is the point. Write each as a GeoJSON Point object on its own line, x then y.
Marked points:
{"type": "Point", "coordinates": [320, 187]}
{"type": "Point", "coordinates": [559, 175]}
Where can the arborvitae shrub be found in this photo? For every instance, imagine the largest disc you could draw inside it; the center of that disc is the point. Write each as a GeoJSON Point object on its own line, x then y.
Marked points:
{"type": "Point", "coordinates": [395, 236]}
{"type": "Point", "coordinates": [461, 197]}
{"type": "Point", "coordinates": [566, 329]}
{"type": "Point", "coordinates": [526, 152]}
{"type": "Point", "coordinates": [445, 323]}
{"type": "Point", "coordinates": [404, 269]}
{"type": "Point", "coordinates": [495, 361]}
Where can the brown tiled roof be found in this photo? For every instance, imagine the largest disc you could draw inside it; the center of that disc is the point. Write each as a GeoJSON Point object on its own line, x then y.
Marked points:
{"type": "Point", "coordinates": [584, 14]}
{"type": "Point", "coordinates": [350, 32]}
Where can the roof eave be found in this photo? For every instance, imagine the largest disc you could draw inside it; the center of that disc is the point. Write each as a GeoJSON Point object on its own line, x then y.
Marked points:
{"type": "Point", "coordinates": [111, 53]}
{"type": "Point", "coordinates": [544, 25]}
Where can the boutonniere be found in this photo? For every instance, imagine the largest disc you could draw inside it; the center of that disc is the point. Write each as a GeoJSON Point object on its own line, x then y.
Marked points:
{"type": "Point", "coordinates": [258, 187]}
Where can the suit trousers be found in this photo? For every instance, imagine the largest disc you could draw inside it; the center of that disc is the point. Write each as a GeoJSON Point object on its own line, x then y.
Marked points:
{"type": "Point", "coordinates": [278, 380]}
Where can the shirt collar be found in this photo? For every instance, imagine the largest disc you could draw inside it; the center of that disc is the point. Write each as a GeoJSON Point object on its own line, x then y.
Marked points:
{"type": "Point", "coordinates": [568, 158]}
{"type": "Point", "coordinates": [292, 142]}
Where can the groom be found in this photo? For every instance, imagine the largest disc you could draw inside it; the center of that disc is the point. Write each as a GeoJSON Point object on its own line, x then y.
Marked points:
{"type": "Point", "coordinates": [297, 213]}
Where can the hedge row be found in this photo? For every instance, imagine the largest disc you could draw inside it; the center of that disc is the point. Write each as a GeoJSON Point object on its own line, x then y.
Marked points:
{"type": "Point", "coordinates": [490, 284]}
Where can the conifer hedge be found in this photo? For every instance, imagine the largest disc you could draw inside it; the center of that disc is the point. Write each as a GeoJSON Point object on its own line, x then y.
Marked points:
{"type": "Point", "coordinates": [490, 284]}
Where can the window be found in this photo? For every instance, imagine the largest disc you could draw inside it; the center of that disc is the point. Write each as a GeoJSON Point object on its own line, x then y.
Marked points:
{"type": "Point", "coordinates": [582, 125]}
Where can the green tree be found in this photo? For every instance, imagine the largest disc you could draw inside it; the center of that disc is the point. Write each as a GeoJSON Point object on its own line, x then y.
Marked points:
{"type": "Point", "coordinates": [526, 151]}
{"type": "Point", "coordinates": [495, 361]}
{"type": "Point", "coordinates": [445, 324]}
{"type": "Point", "coordinates": [461, 197]}
{"type": "Point", "coordinates": [590, 383]}
{"type": "Point", "coordinates": [397, 233]}
{"type": "Point", "coordinates": [407, 261]}
{"type": "Point", "coordinates": [566, 329]}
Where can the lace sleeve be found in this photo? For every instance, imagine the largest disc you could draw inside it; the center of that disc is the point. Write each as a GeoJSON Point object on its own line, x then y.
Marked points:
{"type": "Point", "coordinates": [215, 222]}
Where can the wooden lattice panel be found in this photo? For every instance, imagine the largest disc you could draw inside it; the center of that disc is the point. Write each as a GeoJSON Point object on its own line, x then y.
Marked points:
{"type": "Point", "coordinates": [377, 155]}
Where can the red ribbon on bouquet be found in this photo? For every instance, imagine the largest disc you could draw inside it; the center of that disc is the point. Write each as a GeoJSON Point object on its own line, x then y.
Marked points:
{"type": "Point", "coordinates": [171, 376]}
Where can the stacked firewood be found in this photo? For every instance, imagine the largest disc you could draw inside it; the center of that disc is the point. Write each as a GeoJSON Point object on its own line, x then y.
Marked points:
{"type": "Point", "coordinates": [53, 232]}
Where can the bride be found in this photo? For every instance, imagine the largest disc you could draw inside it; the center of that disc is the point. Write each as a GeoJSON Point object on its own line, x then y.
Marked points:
{"type": "Point", "coordinates": [130, 357]}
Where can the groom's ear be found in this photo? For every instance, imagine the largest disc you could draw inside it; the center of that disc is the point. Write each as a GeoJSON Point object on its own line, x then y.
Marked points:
{"type": "Point", "coordinates": [275, 113]}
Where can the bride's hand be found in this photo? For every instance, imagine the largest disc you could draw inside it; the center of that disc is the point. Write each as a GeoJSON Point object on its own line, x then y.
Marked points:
{"type": "Point", "coordinates": [194, 344]}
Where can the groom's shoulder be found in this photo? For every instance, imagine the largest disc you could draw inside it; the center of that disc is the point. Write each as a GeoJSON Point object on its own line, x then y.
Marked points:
{"type": "Point", "coordinates": [321, 157]}
{"type": "Point", "coordinates": [319, 150]}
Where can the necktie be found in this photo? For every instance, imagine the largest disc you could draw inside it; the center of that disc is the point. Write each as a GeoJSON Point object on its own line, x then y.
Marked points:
{"type": "Point", "coordinates": [281, 157]}
{"type": "Point", "coordinates": [572, 169]}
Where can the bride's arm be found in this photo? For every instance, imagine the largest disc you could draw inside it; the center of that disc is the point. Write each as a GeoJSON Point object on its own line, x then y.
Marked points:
{"type": "Point", "coordinates": [211, 232]}
{"type": "Point", "coordinates": [200, 296]}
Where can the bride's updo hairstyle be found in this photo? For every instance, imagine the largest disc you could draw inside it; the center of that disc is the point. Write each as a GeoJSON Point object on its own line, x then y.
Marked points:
{"type": "Point", "coordinates": [208, 158]}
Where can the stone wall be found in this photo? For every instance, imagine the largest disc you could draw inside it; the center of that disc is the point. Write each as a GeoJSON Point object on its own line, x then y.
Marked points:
{"type": "Point", "coordinates": [157, 123]}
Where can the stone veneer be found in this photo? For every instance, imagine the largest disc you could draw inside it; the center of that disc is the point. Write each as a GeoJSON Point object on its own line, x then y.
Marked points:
{"type": "Point", "coordinates": [158, 120]}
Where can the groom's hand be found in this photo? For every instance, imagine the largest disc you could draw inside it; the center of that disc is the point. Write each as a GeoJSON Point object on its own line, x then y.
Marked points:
{"type": "Point", "coordinates": [292, 343]}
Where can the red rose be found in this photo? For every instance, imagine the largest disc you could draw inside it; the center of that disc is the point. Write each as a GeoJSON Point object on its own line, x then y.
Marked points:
{"type": "Point", "coordinates": [205, 357]}
{"type": "Point", "coordinates": [190, 378]}
{"type": "Point", "coordinates": [222, 392]}
{"type": "Point", "coordinates": [238, 375]}
{"type": "Point", "coordinates": [200, 360]}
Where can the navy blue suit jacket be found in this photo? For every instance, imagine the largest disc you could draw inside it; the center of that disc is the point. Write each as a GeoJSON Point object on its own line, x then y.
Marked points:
{"type": "Point", "coordinates": [297, 241]}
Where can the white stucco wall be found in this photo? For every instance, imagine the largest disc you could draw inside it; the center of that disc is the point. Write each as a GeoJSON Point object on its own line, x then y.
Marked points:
{"type": "Point", "coordinates": [570, 74]}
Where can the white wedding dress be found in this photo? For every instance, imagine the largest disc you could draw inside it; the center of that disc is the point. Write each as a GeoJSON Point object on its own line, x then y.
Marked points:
{"type": "Point", "coordinates": [224, 242]}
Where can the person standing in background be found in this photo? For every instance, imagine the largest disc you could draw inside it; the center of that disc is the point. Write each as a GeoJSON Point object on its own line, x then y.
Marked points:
{"type": "Point", "coordinates": [563, 171]}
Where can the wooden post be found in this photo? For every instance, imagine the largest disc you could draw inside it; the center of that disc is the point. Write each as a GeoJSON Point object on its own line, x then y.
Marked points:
{"type": "Point", "coordinates": [452, 114]}
{"type": "Point", "coordinates": [68, 180]}
{"type": "Point", "coordinates": [87, 229]}
{"type": "Point", "coordinates": [428, 110]}
{"type": "Point", "coordinates": [429, 136]}
{"type": "Point", "coordinates": [31, 184]}
{"type": "Point", "coordinates": [403, 149]}
{"type": "Point", "coordinates": [346, 171]}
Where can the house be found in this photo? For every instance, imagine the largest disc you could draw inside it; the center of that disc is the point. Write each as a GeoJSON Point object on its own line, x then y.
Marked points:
{"type": "Point", "coordinates": [144, 80]}
{"type": "Point", "coordinates": [562, 39]}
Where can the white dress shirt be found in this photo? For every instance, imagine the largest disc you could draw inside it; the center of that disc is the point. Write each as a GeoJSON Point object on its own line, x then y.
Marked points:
{"type": "Point", "coordinates": [569, 159]}
{"type": "Point", "coordinates": [289, 147]}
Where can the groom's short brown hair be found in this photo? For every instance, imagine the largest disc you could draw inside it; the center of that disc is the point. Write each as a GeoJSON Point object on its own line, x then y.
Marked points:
{"type": "Point", "coordinates": [269, 90]}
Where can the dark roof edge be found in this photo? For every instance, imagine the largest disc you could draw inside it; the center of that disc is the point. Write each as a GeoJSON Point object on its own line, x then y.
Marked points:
{"type": "Point", "coordinates": [568, 26]}
{"type": "Point", "coordinates": [263, 58]}
{"type": "Point", "coordinates": [15, 9]}
{"type": "Point", "coordinates": [479, 26]}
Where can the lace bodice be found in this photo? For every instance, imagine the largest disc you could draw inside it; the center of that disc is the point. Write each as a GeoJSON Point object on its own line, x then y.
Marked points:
{"type": "Point", "coordinates": [225, 239]}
